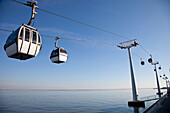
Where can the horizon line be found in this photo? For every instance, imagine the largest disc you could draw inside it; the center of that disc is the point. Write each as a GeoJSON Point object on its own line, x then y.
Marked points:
{"type": "Point", "coordinates": [71, 89]}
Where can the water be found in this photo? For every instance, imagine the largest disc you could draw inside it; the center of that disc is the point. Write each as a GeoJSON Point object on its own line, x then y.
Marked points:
{"type": "Point", "coordinates": [69, 101]}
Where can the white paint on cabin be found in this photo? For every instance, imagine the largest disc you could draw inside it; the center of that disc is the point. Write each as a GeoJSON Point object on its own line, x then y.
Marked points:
{"type": "Point", "coordinates": [63, 57]}
{"type": "Point", "coordinates": [25, 47]}
{"type": "Point", "coordinates": [32, 49]}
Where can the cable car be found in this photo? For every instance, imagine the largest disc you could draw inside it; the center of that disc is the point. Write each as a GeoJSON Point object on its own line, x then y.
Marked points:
{"type": "Point", "coordinates": [150, 60]}
{"type": "Point", "coordinates": [24, 43]}
{"type": "Point", "coordinates": [59, 55]}
{"type": "Point", "coordinates": [142, 62]}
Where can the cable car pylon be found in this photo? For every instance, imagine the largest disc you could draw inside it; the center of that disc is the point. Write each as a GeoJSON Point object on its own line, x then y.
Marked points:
{"type": "Point", "coordinates": [156, 73]}
{"type": "Point", "coordinates": [135, 103]}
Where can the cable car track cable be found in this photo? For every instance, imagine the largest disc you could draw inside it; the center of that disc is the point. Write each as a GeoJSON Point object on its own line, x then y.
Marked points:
{"type": "Point", "coordinates": [33, 5]}
{"type": "Point", "coordinates": [144, 49]}
{"type": "Point", "coordinates": [136, 55]}
{"type": "Point", "coordinates": [80, 40]}
{"type": "Point", "coordinates": [77, 21]}
{"type": "Point", "coordinates": [6, 30]}
{"type": "Point", "coordinates": [84, 24]}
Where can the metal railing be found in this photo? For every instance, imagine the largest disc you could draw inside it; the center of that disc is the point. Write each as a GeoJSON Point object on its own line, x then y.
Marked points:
{"type": "Point", "coordinates": [149, 98]}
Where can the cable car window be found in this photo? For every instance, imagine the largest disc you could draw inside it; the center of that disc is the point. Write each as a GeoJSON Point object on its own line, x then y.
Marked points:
{"type": "Point", "coordinates": [21, 34]}
{"type": "Point", "coordinates": [56, 53]}
{"type": "Point", "coordinates": [34, 38]}
{"type": "Point", "coordinates": [27, 34]}
{"type": "Point", "coordinates": [63, 51]}
{"type": "Point", "coordinates": [52, 54]}
{"type": "Point", "coordinates": [39, 40]}
{"type": "Point", "coordinates": [12, 38]}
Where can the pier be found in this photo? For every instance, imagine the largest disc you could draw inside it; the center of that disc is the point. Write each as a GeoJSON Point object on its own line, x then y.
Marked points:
{"type": "Point", "coordinates": [160, 106]}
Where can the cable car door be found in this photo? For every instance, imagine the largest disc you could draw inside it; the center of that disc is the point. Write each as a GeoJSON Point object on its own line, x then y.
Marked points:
{"type": "Point", "coordinates": [20, 39]}
{"type": "Point", "coordinates": [26, 41]}
{"type": "Point", "coordinates": [33, 44]}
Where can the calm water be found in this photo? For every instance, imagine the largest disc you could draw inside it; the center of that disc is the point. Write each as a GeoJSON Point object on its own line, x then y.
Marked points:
{"type": "Point", "coordinates": [69, 101]}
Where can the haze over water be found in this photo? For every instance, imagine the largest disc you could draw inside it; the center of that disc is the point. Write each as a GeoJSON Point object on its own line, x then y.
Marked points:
{"type": "Point", "coordinates": [69, 101]}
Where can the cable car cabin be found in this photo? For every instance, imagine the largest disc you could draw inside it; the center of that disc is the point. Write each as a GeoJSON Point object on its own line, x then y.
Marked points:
{"type": "Point", "coordinates": [24, 43]}
{"type": "Point", "coordinates": [59, 55]}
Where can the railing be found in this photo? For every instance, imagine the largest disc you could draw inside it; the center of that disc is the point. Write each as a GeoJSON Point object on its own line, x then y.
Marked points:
{"type": "Point", "coordinates": [155, 107]}
{"type": "Point", "coordinates": [149, 98]}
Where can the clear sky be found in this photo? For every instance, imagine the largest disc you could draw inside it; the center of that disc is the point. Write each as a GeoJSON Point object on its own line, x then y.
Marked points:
{"type": "Point", "coordinates": [89, 66]}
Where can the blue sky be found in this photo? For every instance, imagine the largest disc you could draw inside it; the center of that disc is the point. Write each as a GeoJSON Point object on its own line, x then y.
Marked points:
{"type": "Point", "coordinates": [89, 66]}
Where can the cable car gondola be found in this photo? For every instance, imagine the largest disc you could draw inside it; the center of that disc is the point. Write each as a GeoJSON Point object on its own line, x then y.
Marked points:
{"type": "Point", "coordinates": [59, 55]}
{"type": "Point", "coordinates": [142, 62]}
{"type": "Point", "coordinates": [24, 43]}
{"type": "Point", "coordinates": [150, 59]}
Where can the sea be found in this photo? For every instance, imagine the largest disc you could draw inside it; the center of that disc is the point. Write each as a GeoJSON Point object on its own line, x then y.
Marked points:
{"type": "Point", "coordinates": [72, 101]}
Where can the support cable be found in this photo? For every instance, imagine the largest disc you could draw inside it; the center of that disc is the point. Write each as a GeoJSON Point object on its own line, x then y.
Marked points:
{"type": "Point", "coordinates": [18, 2]}
{"type": "Point", "coordinates": [144, 49]}
{"type": "Point", "coordinates": [76, 21]}
{"type": "Point", "coordinates": [71, 19]}
{"type": "Point", "coordinates": [80, 40]}
{"type": "Point", "coordinates": [80, 22]}
{"type": "Point", "coordinates": [136, 55]}
{"type": "Point", "coordinates": [6, 30]}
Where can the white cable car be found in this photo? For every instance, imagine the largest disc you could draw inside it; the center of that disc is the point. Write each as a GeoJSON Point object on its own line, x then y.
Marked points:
{"type": "Point", "coordinates": [24, 43]}
{"type": "Point", "coordinates": [58, 55]}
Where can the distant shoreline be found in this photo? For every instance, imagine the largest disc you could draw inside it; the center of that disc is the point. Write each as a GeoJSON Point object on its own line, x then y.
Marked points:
{"type": "Point", "coordinates": [72, 89]}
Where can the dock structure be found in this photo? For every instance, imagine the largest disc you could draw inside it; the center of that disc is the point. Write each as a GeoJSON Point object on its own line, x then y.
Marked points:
{"type": "Point", "coordinates": [160, 106]}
